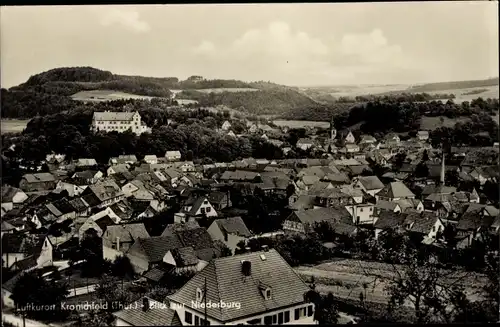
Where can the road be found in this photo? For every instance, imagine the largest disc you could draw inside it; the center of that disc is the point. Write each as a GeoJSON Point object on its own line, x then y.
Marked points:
{"type": "Point", "coordinates": [18, 321]}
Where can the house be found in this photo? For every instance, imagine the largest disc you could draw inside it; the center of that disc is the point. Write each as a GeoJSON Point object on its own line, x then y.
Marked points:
{"type": "Point", "coordinates": [183, 259]}
{"type": "Point", "coordinates": [103, 193]}
{"type": "Point", "coordinates": [95, 227]}
{"type": "Point", "coordinates": [370, 184]}
{"type": "Point", "coordinates": [392, 138]}
{"type": "Point", "coordinates": [348, 137]}
{"type": "Point", "coordinates": [117, 169]}
{"type": "Point", "coordinates": [118, 121]}
{"type": "Point", "coordinates": [123, 159]}
{"type": "Point", "coordinates": [485, 174]}
{"type": "Point", "coordinates": [351, 148]}
{"type": "Point", "coordinates": [219, 200]}
{"type": "Point", "coordinates": [362, 214]}
{"type": "Point", "coordinates": [149, 252]}
{"type": "Point", "coordinates": [173, 156]}
{"type": "Point", "coordinates": [146, 312]}
{"type": "Point", "coordinates": [394, 191]}
{"type": "Point", "coordinates": [406, 204]}
{"type": "Point", "coordinates": [367, 139]}
{"type": "Point", "coordinates": [26, 251]}
{"type": "Point", "coordinates": [226, 126]}
{"type": "Point", "coordinates": [38, 182]}
{"type": "Point", "coordinates": [87, 177]}
{"type": "Point", "coordinates": [423, 135]}
{"type": "Point", "coordinates": [61, 210]}
{"type": "Point", "coordinates": [73, 187]}
{"type": "Point", "coordinates": [7, 228]}
{"type": "Point", "coordinates": [305, 144]}
{"type": "Point", "coordinates": [198, 207]}
{"type": "Point", "coordinates": [303, 221]}
{"type": "Point", "coordinates": [80, 206]}
{"type": "Point", "coordinates": [230, 231]}
{"type": "Point", "coordinates": [388, 220]}
{"type": "Point", "coordinates": [117, 239]}
{"type": "Point", "coordinates": [260, 288]}
{"type": "Point", "coordinates": [151, 159]}
{"type": "Point", "coordinates": [387, 205]}
{"type": "Point", "coordinates": [12, 197]}
{"type": "Point", "coordinates": [85, 163]}
{"type": "Point", "coordinates": [426, 224]}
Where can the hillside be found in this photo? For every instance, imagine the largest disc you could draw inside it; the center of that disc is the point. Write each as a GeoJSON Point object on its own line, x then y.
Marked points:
{"type": "Point", "coordinates": [260, 102]}
{"type": "Point", "coordinates": [54, 90]}
{"type": "Point", "coordinates": [443, 86]}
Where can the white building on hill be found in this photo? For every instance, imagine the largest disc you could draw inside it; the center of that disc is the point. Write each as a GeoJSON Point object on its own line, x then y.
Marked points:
{"type": "Point", "coordinates": [119, 121]}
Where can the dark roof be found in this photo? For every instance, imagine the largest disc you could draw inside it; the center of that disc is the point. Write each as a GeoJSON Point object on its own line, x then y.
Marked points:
{"type": "Point", "coordinates": [9, 285]}
{"type": "Point", "coordinates": [389, 219]}
{"type": "Point", "coordinates": [198, 238]}
{"type": "Point", "coordinates": [395, 190]}
{"type": "Point", "coordinates": [104, 222]}
{"type": "Point", "coordinates": [155, 274]}
{"type": "Point", "coordinates": [154, 248]}
{"type": "Point", "coordinates": [226, 283]}
{"type": "Point", "coordinates": [371, 182]}
{"type": "Point", "coordinates": [21, 243]}
{"type": "Point", "coordinates": [25, 264]}
{"type": "Point", "coordinates": [184, 256]}
{"type": "Point", "coordinates": [63, 206]}
{"type": "Point", "coordinates": [78, 204]}
{"type": "Point", "coordinates": [156, 315]}
{"type": "Point", "coordinates": [421, 222]}
{"type": "Point", "coordinates": [321, 214]}
{"type": "Point", "coordinates": [472, 222]}
{"type": "Point", "coordinates": [171, 229]}
{"type": "Point", "coordinates": [233, 225]}
{"type": "Point", "coordinates": [8, 193]}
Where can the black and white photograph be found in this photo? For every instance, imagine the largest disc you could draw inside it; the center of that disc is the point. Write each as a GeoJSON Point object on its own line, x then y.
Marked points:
{"type": "Point", "coordinates": [250, 164]}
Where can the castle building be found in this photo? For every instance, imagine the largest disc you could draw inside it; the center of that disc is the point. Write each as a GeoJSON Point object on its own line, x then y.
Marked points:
{"type": "Point", "coordinates": [119, 121]}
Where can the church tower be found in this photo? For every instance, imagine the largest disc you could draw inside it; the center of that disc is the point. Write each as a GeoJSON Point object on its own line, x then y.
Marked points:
{"type": "Point", "coordinates": [333, 131]}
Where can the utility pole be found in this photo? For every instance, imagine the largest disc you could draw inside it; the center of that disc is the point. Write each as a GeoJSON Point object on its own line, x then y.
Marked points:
{"type": "Point", "coordinates": [205, 299]}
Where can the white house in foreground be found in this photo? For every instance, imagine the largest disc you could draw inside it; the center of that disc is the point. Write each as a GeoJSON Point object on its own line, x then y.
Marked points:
{"type": "Point", "coordinates": [120, 122]}
{"type": "Point", "coordinates": [257, 288]}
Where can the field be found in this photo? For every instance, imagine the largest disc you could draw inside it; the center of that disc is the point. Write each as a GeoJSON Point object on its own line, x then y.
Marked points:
{"type": "Point", "coordinates": [105, 95]}
{"type": "Point", "coordinates": [227, 89]}
{"type": "Point", "coordinates": [301, 123]}
{"type": "Point", "coordinates": [460, 94]}
{"type": "Point", "coordinates": [432, 123]}
{"type": "Point", "coordinates": [13, 125]}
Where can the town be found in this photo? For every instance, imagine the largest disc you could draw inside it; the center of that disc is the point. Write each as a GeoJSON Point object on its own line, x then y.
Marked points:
{"type": "Point", "coordinates": [129, 200]}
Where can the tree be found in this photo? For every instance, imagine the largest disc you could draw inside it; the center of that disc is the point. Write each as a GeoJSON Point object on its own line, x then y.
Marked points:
{"type": "Point", "coordinates": [418, 281]}
{"type": "Point", "coordinates": [31, 288]}
{"type": "Point", "coordinates": [223, 249]}
{"type": "Point", "coordinates": [121, 267]}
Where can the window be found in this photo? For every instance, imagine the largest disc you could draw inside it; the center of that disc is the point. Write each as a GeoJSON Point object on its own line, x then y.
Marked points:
{"type": "Point", "coordinates": [205, 202]}
{"type": "Point", "coordinates": [310, 311]}
{"type": "Point", "coordinates": [287, 316]}
{"type": "Point", "coordinates": [196, 320]}
{"type": "Point", "coordinates": [188, 317]}
{"type": "Point", "coordinates": [361, 209]}
{"type": "Point", "coordinates": [371, 209]}
{"type": "Point", "coordinates": [268, 294]}
{"type": "Point", "coordinates": [209, 209]}
{"type": "Point", "coordinates": [275, 319]}
{"type": "Point", "coordinates": [268, 320]}
{"type": "Point", "coordinates": [256, 321]}
{"type": "Point", "coordinates": [433, 228]}
{"type": "Point", "coordinates": [199, 294]}
{"type": "Point", "coordinates": [280, 318]}
{"type": "Point", "coordinates": [300, 313]}
{"type": "Point", "coordinates": [202, 210]}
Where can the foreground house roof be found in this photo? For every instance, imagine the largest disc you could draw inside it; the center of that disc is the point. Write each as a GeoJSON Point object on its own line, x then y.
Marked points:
{"type": "Point", "coordinates": [226, 283]}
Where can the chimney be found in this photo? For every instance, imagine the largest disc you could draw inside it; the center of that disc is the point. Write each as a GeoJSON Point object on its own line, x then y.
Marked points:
{"type": "Point", "coordinates": [442, 170]}
{"type": "Point", "coordinates": [265, 248]}
{"type": "Point", "coordinates": [117, 243]}
{"type": "Point", "coordinates": [246, 267]}
{"type": "Point", "coordinates": [145, 304]}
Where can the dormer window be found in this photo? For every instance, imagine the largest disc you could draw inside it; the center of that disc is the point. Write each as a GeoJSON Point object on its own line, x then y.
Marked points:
{"type": "Point", "coordinates": [199, 295]}
{"type": "Point", "coordinates": [267, 294]}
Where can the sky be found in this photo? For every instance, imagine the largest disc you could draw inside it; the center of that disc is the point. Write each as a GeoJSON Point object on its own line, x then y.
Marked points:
{"type": "Point", "coordinates": [292, 44]}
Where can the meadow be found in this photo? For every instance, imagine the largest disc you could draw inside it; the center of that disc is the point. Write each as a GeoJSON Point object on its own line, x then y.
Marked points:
{"type": "Point", "coordinates": [301, 123]}
{"type": "Point", "coordinates": [13, 125]}
{"type": "Point", "coordinates": [105, 95]}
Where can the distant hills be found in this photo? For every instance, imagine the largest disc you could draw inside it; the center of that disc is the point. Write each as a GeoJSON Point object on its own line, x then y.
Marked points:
{"type": "Point", "coordinates": [443, 86]}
